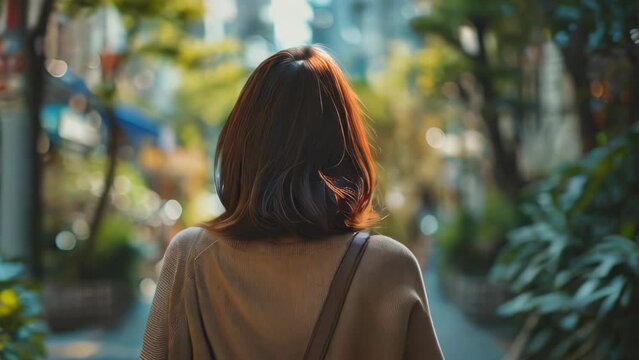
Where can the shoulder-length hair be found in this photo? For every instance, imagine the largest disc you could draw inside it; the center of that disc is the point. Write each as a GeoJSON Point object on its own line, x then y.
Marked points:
{"type": "Point", "coordinates": [293, 157]}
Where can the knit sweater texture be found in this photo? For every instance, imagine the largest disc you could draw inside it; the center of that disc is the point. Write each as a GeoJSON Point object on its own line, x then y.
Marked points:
{"type": "Point", "coordinates": [259, 299]}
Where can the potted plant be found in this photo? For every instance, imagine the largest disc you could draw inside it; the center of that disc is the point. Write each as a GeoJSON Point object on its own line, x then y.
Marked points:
{"type": "Point", "coordinates": [89, 280]}
{"type": "Point", "coordinates": [91, 286]}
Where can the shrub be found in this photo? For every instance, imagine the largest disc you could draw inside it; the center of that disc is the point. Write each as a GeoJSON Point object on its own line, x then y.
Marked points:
{"type": "Point", "coordinates": [471, 243]}
{"type": "Point", "coordinates": [114, 256]}
{"type": "Point", "coordinates": [575, 266]}
{"type": "Point", "coordinates": [22, 331]}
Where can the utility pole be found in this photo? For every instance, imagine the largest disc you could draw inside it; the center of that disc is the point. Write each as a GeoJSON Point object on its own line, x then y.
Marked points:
{"type": "Point", "coordinates": [15, 172]}
{"type": "Point", "coordinates": [21, 94]}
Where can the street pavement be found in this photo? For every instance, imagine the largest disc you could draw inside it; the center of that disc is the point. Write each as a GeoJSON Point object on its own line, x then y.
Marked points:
{"type": "Point", "coordinates": [460, 338]}
{"type": "Point", "coordinates": [122, 342]}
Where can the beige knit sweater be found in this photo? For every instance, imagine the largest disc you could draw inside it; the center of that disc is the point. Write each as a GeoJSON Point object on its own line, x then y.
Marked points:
{"type": "Point", "coordinates": [260, 299]}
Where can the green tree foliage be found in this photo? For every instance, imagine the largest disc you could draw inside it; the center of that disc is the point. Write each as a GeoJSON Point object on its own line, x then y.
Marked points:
{"type": "Point", "coordinates": [575, 266]}
{"type": "Point", "coordinates": [471, 242]}
{"type": "Point", "coordinates": [212, 76]}
{"type": "Point", "coordinates": [71, 186]}
{"type": "Point", "coordinates": [135, 11]}
{"type": "Point", "coordinates": [153, 28]}
{"type": "Point", "coordinates": [436, 65]}
{"type": "Point", "coordinates": [601, 58]}
{"type": "Point", "coordinates": [490, 36]}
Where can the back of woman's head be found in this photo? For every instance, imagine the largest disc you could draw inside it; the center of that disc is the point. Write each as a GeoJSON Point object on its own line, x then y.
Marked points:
{"type": "Point", "coordinates": [293, 158]}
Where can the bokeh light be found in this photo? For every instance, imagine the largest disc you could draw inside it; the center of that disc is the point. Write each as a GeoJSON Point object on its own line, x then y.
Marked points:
{"type": "Point", "coordinates": [65, 240]}
{"type": "Point", "coordinates": [435, 137]}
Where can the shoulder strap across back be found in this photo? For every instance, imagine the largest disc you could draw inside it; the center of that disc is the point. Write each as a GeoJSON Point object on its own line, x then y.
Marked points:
{"type": "Point", "coordinates": [332, 308]}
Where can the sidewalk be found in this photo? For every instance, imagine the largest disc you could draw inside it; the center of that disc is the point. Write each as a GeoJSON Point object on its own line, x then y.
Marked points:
{"type": "Point", "coordinates": [459, 338]}
{"type": "Point", "coordinates": [119, 343]}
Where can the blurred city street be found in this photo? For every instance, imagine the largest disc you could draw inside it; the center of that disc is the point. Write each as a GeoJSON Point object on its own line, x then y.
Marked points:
{"type": "Point", "coordinates": [504, 136]}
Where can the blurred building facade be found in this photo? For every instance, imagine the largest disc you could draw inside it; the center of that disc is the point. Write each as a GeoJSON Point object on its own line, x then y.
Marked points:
{"type": "Point", "coordinates": [362, 31]}
{"type": "Point", "coordinates": [248, 21]}
{"type": "Point", "coordinates": [554, 138]}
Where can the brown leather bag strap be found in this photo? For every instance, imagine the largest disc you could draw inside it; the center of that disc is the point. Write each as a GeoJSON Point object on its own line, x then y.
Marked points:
{"type": "Point", "coordinates": [327, 321]}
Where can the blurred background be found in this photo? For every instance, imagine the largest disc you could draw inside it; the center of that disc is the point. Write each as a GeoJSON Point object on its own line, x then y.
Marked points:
{"type": "Point", "coordinates": [506, 135]}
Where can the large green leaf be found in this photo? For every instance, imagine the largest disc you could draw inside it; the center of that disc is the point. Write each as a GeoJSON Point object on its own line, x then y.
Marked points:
{"type": "Point", "coordinates": [576, 263]}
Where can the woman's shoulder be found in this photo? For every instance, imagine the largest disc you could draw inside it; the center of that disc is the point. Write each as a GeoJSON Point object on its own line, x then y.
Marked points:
{"type": "Point", "coordinates": [390, 271]}
{"type": "Point", "coordinates": [390, 255]}
{"type": "Point", "coordinates": [187, 243]}
{"type": "Point", "coordinates": [389, 248]}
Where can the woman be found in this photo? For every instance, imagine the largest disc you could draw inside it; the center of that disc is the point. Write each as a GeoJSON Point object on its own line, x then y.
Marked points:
{"type": "Point", "coordinates": [296, 177]}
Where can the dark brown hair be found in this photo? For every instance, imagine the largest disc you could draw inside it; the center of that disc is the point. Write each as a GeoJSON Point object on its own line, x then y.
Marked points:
{"type": "Point", "coordinates": [293, 158]}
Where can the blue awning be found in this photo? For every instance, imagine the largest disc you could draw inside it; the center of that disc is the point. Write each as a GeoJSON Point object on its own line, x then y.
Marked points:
{"type": "Point", "coordinates": [137, 126]}
{"type": "Point", "coordinates": [73, 82]}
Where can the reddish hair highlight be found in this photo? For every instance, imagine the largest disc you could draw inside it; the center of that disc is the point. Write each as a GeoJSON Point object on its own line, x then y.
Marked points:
{"type": "Point", "coordinates": [293, 157]}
